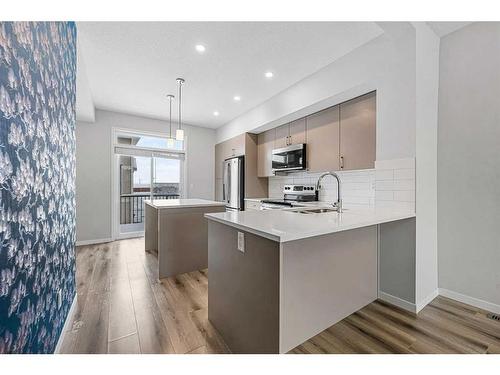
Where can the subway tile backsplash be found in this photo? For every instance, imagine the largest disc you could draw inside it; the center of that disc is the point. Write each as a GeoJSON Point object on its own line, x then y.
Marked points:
{"type": "Point", "coordinates": [390, 184]}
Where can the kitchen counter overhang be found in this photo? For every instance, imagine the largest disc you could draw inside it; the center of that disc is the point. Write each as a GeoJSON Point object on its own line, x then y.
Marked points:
{"type": "Point", "coordinates": [288, 225]}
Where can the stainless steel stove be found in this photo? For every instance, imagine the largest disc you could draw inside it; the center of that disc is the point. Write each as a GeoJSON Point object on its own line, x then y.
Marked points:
{"type": "Point", "coordinates": [292, 194]}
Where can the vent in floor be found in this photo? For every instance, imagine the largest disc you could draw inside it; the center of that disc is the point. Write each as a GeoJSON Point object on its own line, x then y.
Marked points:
{"type": "Point", "coordinates": [494, 317]}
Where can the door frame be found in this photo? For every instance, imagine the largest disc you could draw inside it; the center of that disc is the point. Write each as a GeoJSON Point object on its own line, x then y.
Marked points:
{"type": "Point", "coordinates": [115, 175]}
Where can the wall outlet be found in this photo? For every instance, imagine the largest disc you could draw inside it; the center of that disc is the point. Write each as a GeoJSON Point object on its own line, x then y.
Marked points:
{"type": "Point", "coordinates": [241, 242]}
{"type": "Point", "coordinates": [59, 299]}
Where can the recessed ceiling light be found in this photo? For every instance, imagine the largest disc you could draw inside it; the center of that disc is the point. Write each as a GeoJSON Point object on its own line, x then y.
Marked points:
{"type": "Point", "coordinates": [216, 113]}
{"type": "Point", "coordinates": [269, 74]}
{"type": "Point", "coordinates": [200, 48]}
{"type": "Point", "coordinates": [237, 98]}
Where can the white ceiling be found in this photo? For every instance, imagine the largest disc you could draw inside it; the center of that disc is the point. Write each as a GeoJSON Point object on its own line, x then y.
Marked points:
{"type": "Point", "coordinates": [131, 66]}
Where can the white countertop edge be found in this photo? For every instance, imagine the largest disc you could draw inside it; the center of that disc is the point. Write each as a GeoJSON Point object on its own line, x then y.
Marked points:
{"type": "Point", "coordinates": [294, 237]}
{"type": "Point", "coordinates": [245, 228]}
{"type": "Point", "coordinates": [255, 199]}
{"type": "Point", "coordinates": [186, 204]}
{"type": "Point", "coordinates": [369, 223]}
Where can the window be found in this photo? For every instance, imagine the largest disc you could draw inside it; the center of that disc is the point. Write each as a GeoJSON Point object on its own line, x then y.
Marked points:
{"type": "Point", "coordinates": [147, 141]}
{"type": "Point", "coordinates": [146, 168]}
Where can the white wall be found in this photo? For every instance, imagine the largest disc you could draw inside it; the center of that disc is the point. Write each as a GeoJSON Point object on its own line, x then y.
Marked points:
{"type": "Point", "coordinates": [93, 168]}
{"type": "Point", "coordinates": [469, 164]}
{"type": "Point", "coordinates": [386, 64]}
{"type": "Point", "coordinates": [427, 81]}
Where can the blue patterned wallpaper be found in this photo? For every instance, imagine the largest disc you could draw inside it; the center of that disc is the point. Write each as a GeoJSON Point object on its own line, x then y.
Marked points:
{"type": "Point", "coordinates": [37, 183]}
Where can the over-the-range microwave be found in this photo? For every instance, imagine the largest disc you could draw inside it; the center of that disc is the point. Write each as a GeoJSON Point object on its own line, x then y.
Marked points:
{"type": "Point", "coordinates": [290, 158]}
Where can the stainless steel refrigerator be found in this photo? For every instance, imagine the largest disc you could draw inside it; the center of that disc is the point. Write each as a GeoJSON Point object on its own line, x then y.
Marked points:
{"type": "Point", "coordinates": [233, 185]}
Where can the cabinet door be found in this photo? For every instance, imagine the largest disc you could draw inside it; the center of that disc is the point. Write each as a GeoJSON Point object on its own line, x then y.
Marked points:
{"type": "Point", "coordinates": [357, 133]}
{"type": "Point", "coordinates": [219, 158]}
{"type": "Point", "coordinates": [323, 140]}
{"type": "Point", "coordinates": [282, 133]}
{"type": "Point", "coordinates": [218, 189]}
{"type": "Point", "coordinates": [265, 145]}
{"type": "Point", "coordinates": [235, 146]}
{"type": "Point", "coordinates": [297, 132]}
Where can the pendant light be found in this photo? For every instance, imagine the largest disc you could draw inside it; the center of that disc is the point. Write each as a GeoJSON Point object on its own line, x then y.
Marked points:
{"type": "Point", "coordinates": [170, 140]}
{"type": "Point", "coordinates": [179, 134]}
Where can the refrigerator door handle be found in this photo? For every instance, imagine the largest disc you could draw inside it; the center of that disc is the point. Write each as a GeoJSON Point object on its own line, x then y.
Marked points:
{"type": "Point", "coordinates": [229, 182]}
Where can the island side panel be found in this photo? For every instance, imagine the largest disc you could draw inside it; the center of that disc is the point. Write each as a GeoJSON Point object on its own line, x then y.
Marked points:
{"type": "Point", "coordinates": [150, 228]}
{"type": "Point", "coordinates": [243, 289]}
{"type": "Point", "coordinates": [397, 263]}
{"type": "Point", "coordinates": [183, 239]}
{"type": "Point", "coordinates": [325, 279]}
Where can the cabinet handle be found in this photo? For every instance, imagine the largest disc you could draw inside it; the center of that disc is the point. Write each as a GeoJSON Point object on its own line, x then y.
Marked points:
{"type": "Point", "coordinates": [341, 162]}
{"type": "Point", "coordinates": [289, 140]}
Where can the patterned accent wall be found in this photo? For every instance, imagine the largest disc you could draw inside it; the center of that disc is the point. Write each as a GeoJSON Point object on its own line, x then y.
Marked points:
{"type": "Point", "coordinates": [37, 183]}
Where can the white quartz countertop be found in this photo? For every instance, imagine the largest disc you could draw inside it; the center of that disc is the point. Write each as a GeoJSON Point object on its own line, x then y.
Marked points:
{"type": "Point", "coordinates": [182, 203]}
{"type": "Point", "coordinates": [255, 199]}
{"type": "Point", "coordinates": [286, 225]}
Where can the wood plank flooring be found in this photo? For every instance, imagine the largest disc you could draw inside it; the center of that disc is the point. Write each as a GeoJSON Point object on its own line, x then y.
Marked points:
{"type": "Point", "coordinates": [443, 327]}
{"type": "Point", "coordinates": [123, 308]}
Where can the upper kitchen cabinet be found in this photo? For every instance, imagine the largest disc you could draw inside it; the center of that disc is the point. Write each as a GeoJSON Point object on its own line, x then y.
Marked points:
{"type": "Point", "coordinates": [235, 146]}
{"type": "Point", "coordinates": [282, 133]}
{"type": "Point", "coordinates": [242, 145]}
{"type": "Point", "coordinates": [265, 145]}
{"type": "Point", "coordinates": [291, 134]}
{"type": "Point", "coordinates": [297, 132]}
{"type": "Point", "coordinates": [357, 133]}
{"type": "Point", "coordinates": [323, 140]}
{"type": "Point", "coordinates": [227, 149]}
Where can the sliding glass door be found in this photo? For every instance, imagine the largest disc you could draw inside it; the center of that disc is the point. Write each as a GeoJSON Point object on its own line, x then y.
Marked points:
{"type": "Point", "coordinates": [167, 176]}
{"type": "Point", "coordinates": [144, 171]}
{"type": "Point", "coordinates": [135, 186]}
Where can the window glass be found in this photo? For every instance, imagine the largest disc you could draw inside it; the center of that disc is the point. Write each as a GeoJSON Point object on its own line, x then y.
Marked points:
{"type": "Point", "coordinates": [149, 142]}
{"type": "Point", "coordinates": [167, 176]}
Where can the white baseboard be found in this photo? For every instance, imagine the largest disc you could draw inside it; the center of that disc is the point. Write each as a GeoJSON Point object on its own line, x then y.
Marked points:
{"type": "Point", "coordinates": [124, 236]}
{"type": "Point", "coordinates": [92, 242]}
{"type": "Point", "coordinates": [396, 301]}
{"type": "Point", "coordinates": [69, 318]}
{"type": "Point", "coordinates": [427, 300]}
{"type": "Point", "coordinates": [476, 302]}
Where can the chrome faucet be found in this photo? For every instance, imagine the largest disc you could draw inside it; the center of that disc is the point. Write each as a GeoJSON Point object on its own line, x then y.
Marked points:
{"type": "Point", "coordinates": [338, 204]}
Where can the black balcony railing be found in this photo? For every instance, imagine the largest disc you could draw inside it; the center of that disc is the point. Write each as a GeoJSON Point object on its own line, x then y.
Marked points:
{"type": "Point", "coordinates": [132, 206]}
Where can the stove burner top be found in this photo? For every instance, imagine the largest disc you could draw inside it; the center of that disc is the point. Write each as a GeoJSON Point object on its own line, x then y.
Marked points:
{"type": "Point", "coordinates": [294, 193]}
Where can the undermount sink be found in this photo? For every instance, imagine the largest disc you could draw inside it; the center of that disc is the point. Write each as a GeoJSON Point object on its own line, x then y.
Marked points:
{"type": "Point", "coordinates": [315, 210]}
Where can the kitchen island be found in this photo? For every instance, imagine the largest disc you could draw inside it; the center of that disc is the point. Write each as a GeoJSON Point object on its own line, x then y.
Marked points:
{"type": "Point", "coordinates": [279, 277]}
{"type": "Point", "coordinates": [176, 230]}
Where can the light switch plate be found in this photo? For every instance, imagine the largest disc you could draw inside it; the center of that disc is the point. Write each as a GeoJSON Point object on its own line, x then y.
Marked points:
{"type": "Point", "coordinates": [241, 242]}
